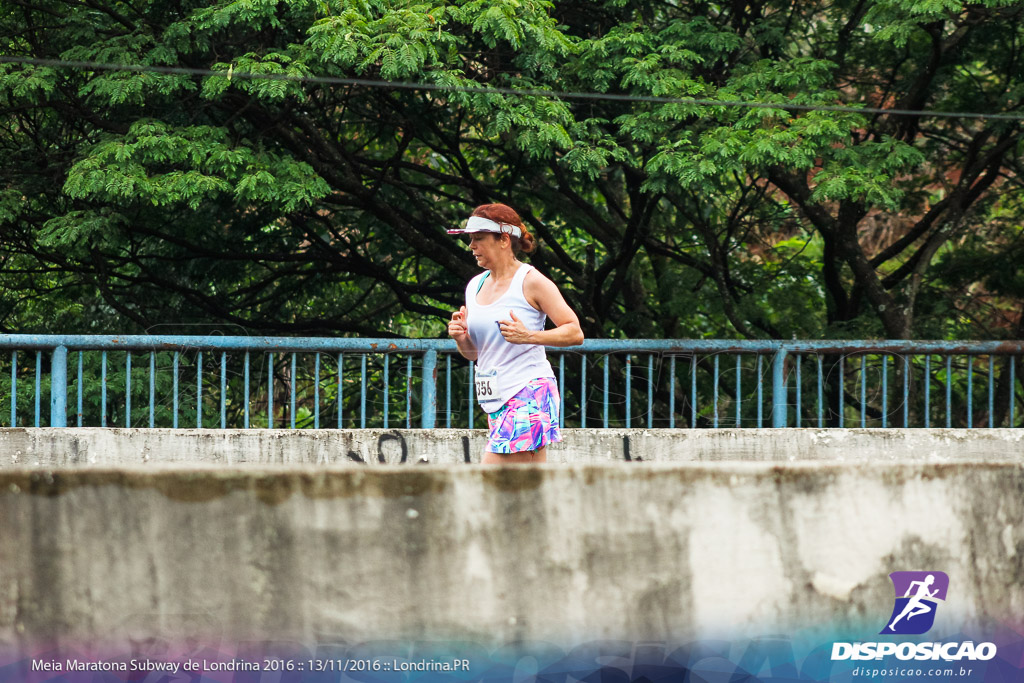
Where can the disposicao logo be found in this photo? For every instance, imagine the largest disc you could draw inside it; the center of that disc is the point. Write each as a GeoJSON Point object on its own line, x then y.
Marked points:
{"type": "Point", "coordinates": [918, 595]}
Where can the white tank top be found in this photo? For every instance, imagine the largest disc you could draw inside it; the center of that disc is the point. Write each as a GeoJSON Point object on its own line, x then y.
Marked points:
{"type": "Point", "coordinates": [512, 366]}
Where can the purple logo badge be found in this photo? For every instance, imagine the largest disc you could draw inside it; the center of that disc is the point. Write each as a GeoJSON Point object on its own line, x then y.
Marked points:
{"type": "Point", "coordinates": [917, 597]}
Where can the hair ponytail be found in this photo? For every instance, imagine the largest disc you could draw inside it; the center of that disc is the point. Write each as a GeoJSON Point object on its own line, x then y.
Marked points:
{"type": "Point", "coordinates": [525, 244]}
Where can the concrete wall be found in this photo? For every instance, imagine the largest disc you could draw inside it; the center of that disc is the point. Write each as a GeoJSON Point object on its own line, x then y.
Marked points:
{"type": "Point", "coordinates": [558, 553]}
{"type": "Point", "coordinates": [121, 535]}
{"type": "Point", "coordinates": [45, 447]}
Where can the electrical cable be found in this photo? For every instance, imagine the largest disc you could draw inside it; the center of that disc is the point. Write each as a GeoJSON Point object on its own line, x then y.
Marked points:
{"type": "Point", "coordinates": [491, 90]}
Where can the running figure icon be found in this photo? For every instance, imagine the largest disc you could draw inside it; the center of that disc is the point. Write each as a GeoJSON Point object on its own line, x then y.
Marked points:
{"type": "Point", "coordinates": [918, 594]}
{"type": "Point", "coordinates": [914, 606]}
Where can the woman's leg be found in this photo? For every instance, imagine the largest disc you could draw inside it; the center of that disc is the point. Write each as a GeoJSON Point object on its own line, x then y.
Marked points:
{"type": "Point", "coordinates": [539, 455]}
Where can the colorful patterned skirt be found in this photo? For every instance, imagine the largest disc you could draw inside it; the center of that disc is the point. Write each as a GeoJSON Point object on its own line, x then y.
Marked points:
{"type": "Point", "coordinates": [528, 420]}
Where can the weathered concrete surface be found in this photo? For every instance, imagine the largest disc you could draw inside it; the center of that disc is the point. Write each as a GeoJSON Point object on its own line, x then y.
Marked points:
{"type": "Point", "coordinates": [556, 553]}
{"type": "Point", "coordinates": [93, 446]}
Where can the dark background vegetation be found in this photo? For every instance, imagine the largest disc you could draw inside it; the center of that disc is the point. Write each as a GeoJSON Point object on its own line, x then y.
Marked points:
{"type": "Point", "coordinates": [213, 202]}
{"type": "Point", "coordinates": [134, 202]}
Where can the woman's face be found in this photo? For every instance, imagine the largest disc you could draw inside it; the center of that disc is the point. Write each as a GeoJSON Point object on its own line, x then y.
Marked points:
{"type": "Point", "coordinates": [486, 247]}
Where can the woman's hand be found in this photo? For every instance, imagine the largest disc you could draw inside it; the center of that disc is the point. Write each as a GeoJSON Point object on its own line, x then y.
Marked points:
{"type": "Point", "coordinates": [514, 331]}
{"type": "Point", "coordinates": [457, 328]}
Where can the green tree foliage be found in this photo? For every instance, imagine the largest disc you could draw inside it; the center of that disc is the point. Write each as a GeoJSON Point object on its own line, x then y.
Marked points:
{"type": "Point", "coordinates": [132, 200]}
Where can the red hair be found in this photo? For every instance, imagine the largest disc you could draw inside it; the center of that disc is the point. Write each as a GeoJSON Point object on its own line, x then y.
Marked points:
{"type": "Point", "coordinates": [503, 213]}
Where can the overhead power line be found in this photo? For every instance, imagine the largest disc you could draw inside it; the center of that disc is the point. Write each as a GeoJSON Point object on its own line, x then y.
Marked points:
{"type": "Point", "coordinates": [492, 90]}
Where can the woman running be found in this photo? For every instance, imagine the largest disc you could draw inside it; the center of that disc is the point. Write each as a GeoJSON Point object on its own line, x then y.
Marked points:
{"type": "Point", "coordinates": [501, 327]}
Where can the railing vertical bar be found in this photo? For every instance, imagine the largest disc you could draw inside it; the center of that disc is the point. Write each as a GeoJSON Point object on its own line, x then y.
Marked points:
{"type": "Point", "coordinates": [428, 398]}
{"type": "Point", "coordinates": [842, 390]}
{"type": "Point", "coordinates": [650, 390]}
{"type": "Point", "coordinates": [152, 389]}
{"type": "Point", "coordinates": [472, 367]}
{"type": "Point", "coordinates": [103, 389]}
{"type": "Point", "coordinates": [970, 391]}
{"type": "Point", "coordinates": [341, 388]}
{"type": "Point", "coordinates": [780, 401]}
{"type": "Point", "coordinates": [270, 390]}
{"type": "Point", "coordinates": [387, 387]}
{"type": "Point", "coordinates": [408, 392]}
{"type": "Point", "coordinates": [949, 391]}
{"type": "Point", "coordinates": [39, 381]}
{"type": "Point", "coordinates": [245, 391]}
{"type": "Point", "coordinates": [448, 390]}
{"type": "Point", "coordinates": [316, 390]}
{"type": "Point", "coordinates": [991, 392]}
{"type": "Point", "coordinates": [629, 378]}
{"type": "Point", "coordinates": [128, 388]}
{"type": "Point", "coordinates": [863, 391]}
{"type": "Point", "coordinates": [693, 391]}
{"type": "Point", "coordinates": [606, 357]}
{"type": "Point", "coordinates": [583, 391]}
{"type": "Point", "coordinates": [292, 380]}
{"type": "Point", "coordinates": [80, 389]}
{"type": "Point", "coordinates": [906, 391]}
{"type": "Point", "coordinates": [760, 390]}
{"type": "Point", "coordinates": [223, 390]}
{"type": "Point", "coordinates": [174, 399]}
{"type": "Point", "coordinates": [199, 390]}
{"type": "Point", "coordinates": [1013, 381]}
{"type": "Point", "coordinates": [739, 391]}
{"type": "Point", "coordinates": [821, 393]}
{"type": "Point", "coordinates": [885, 390]}
{"type": "Point", "coordinates": [561, 390]}
{"type": "Point", "coordinates": [362, 393]}
{"type": "Point", "coordinates": [799, 391]}
{"type": "Point", "coordinates": [927, 390]}
{"type": "Point", "coordinates": [14, 388]}
{"type": "Point", "coordinates": [715, 386]}
{"type": "Point", "coordinates": [671, 393]}
{"type": "Point", "coordinates": [59, 387]}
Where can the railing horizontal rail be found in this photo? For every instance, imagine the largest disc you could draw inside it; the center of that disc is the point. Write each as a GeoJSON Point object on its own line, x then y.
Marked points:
{"type": "Point", "coordinates": [392, 345]}
{"type": "Point", "coordinates": [217, 381]}
{"type": "Point", "coordinates": [996, 348]}
{"type": "Point", "coordinates": [218, 343]}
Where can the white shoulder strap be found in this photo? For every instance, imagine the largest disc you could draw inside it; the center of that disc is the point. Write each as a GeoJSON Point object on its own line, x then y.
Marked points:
{"type": "Point", "coordinates": [520, 276]}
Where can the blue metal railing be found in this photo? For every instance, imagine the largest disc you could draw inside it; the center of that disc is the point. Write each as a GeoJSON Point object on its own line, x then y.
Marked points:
{"type": "Point", "coordinates": [318, 382]}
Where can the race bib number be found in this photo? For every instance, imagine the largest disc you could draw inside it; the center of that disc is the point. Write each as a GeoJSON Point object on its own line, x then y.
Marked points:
{"type": "Point", "coordinates": [486, 387]}
{"type": "Point", "coordinates": [488, 395]}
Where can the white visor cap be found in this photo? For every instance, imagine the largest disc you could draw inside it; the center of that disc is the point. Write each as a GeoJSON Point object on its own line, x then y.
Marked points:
{"type": "Point", "coordinates": [481, 224]}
